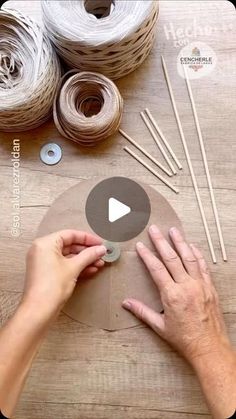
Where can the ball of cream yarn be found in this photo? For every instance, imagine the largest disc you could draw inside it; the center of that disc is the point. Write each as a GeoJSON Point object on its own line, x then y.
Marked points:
{"type": "Point", "coordinates": [112, 37]}
{"type": "Point", "coordinates": [29, 73]}
{"type": "Point", "coordinates": [87, 108]}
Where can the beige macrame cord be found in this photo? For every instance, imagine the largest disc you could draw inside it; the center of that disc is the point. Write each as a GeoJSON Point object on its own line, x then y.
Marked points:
{"type": "Point", "coordinates": [87, 108]}
{"type": "Point", "coordinates": [29, 73]}
{"type": "Point", "coordinates": [114, 44]}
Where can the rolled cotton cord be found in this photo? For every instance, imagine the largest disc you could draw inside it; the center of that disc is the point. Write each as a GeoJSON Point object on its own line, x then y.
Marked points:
{"type": "Point", "coordinates": [29, 73]}
{"type": "Point", "coordinates": [71, 111]}
{"type": "Point", "coordinates": [113, 45]}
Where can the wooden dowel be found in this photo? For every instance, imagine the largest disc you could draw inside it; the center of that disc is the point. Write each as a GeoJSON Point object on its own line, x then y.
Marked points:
{"type": "Point", "coordinates": [195, 185]}
{"type": "Point", "coordinates": [203, 151]}
{"type": "Point", "coordinates": [161, 135]}
{"type": "Point", "coordinates": [139, 147]}
{"type": "Point", "coordinates": [148, 125]}
{"type": "Point", "coordinates": [134, 155]}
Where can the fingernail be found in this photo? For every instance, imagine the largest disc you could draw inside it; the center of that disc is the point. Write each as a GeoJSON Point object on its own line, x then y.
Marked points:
{"type": "Point", "coordinates": [154, 229]}
{"type": "Point", "coordinates": [101, 250]}
{"type": "Point", "coordinates": [126, 304]}
{"type": "Point", "coordinates": [140, 245]}
{"type": "Point", "coordinates": [174, 232]}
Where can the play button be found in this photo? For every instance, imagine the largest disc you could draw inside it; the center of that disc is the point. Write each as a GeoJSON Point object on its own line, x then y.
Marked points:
{"type": "Point", "coordinates": [117, 209]}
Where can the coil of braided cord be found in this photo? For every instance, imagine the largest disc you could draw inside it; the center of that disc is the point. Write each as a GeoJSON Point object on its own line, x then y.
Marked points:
{"type": "Point", "coordinates": [112, 37]}
{"type": "Point", "coordinates": [87, 108]}
{"type": "Point", "coordinates": [29, 73]}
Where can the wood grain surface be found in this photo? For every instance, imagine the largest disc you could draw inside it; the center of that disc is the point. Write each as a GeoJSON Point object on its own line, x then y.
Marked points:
{"type": "Point", "coordinates": [81, 372]}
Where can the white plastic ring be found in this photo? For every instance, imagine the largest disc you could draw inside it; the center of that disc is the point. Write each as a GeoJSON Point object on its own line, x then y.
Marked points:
{"type": "Point", "coordinates": [51, 154]}
{"type": "Point", "coordinates": [113, 252]}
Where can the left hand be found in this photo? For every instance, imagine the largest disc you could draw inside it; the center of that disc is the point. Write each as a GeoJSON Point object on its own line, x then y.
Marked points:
{"type": "Point", "coordinates": [54, 264]}
{"type": "Point", "coordinates": [192, 321]}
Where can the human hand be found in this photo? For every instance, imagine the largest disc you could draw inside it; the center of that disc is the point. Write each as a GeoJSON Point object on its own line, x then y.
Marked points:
{"type": "Point", "coordinates": [55, 262]}
{"type": "Point", "coordinates": [192, 321]}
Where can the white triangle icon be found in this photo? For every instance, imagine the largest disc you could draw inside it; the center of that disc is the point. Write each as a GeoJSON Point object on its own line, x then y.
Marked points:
{"type": "Point", "coordinates": [117, 210]}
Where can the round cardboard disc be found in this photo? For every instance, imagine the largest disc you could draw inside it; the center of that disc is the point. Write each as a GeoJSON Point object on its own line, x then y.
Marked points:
{"type": "Point", "coordinates": [97, 301]}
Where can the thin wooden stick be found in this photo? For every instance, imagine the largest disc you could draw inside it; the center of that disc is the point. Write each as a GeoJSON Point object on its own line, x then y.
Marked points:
{"type": "Point", "coordinates": [139, 147]}
{"type": "Point", "coordinates": [161, 135]}
{"type": "Point", "coordinates": [148, 125]}
{"type": "Point", "coordinates": [134, 155]}
{"type": "Point", "coordinates": [203, 151]}
{"type": "Point", "coordinates": [195, 185]}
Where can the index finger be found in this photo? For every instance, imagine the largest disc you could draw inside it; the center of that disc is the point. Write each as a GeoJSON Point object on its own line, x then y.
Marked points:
{"type": "Point", "coordinates": [169, 257]}
{"type": "Point", "coordinates": [72, 237]}
{"type": "Point", "coordinates": [157, 269]}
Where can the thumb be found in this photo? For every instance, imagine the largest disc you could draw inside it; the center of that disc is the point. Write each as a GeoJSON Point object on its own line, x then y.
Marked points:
{"type": "Point", "coordinates": [146, 314]}
{"type": "Point", "coordinates": [87, 257]}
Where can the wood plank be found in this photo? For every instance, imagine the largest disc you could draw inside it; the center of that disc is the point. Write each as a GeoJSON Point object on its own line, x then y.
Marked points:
{"type": "Point", "coordinates": [75, 366]}
{"type": "Point", "coordinates": [97, 411]}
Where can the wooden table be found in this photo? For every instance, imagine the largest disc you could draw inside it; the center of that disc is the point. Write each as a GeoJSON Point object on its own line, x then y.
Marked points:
{"type": "Point", "coordinates": [130, 373]}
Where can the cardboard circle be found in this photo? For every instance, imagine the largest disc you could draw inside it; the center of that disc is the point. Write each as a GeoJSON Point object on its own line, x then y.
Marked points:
{"type": "Point", "coordinates": [97, 301]}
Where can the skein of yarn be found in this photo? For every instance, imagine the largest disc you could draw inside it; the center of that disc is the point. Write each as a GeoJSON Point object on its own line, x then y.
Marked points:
{"type": "Point", "coordinates": [112, 37]}
{"type": "Point", "coordinates": [29, 73]}
{"type": "Point", "coordinates": [88, 107]}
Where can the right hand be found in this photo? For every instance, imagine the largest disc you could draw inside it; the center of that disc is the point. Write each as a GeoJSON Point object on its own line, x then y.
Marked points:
{"type": "Point", "coordinates": [54, 264]}
{"type": "Point", "coordinates": [192, 321]}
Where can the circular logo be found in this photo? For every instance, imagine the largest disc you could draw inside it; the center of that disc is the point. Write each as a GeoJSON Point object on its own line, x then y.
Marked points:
{"type": "Point", "coordinates": [197, 59]}
{"type": "Point", "coordinates": [118, 209]}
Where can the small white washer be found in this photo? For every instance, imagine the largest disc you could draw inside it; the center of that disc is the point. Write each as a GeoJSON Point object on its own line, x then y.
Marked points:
{"type": "Point", "coordinates": [113, 252]}
{"type": "Point", "coordinates": [51, 154]}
